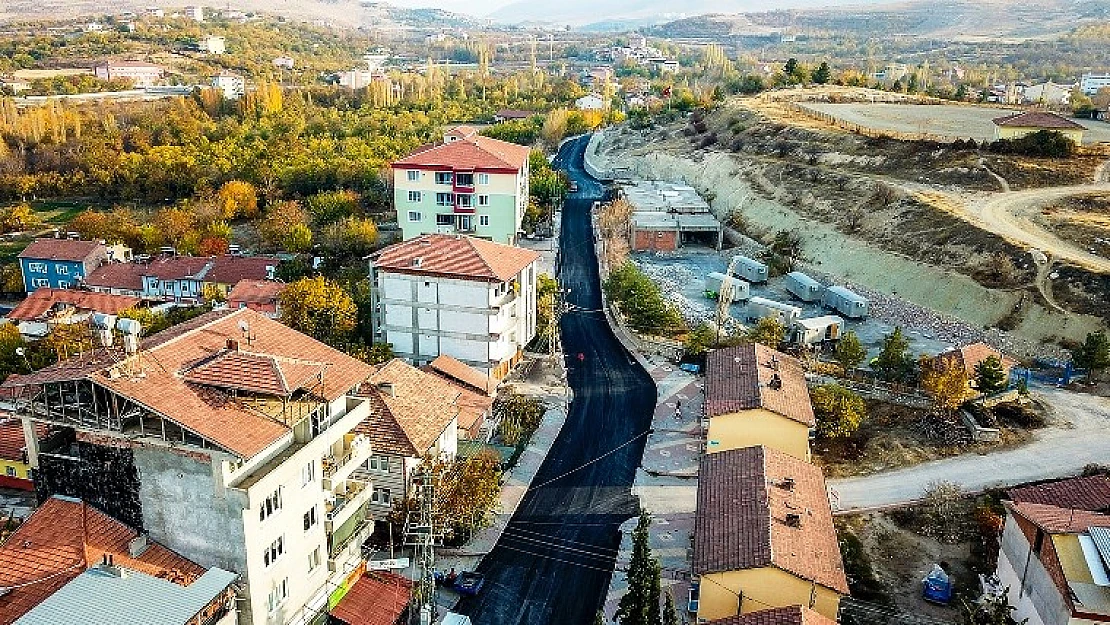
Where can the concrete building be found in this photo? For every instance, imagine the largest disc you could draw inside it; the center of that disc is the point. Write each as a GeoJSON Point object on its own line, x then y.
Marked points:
{"type": "Point", "coordinates": [1090, 83]}
{"type": "Point", "coordinates": [469, 184]}
{"type": "Point", "coordinates": [59, 263]}
{"type": "Point", "coordinates": [47, 308]}
{"type": "Point", "coordinates": [665, 216]}
{"type": "Point", "coordinates": [155, 12]}
{"type": "Point", "coordinates": [213, 45]}
{"type": "Point", "coordinates": [1020, 124]}
{"type": "Point", "coordinates": [230, 439]}
{"type": "Point", "coordinates": [764, 536]}
{"type": "Point", "coordinates": [231, 85]}
{"type": "Point", "coordinates": [459, 296]}
{"type": "Point", "coordinates": [139, 73]}
{"type": "Point", "coordinates": [195, 13]}
{"type": "Point", "coordinates": [1054, 553]}
{"type": "Point", "coordinates": [590, 102]}
{"type": "Point", "coordinates": [356, 78]}
{"type": "Point", "coordinates": [755, 395]}
{"type": "Point", "coordinates": [284, 62]}
{"type": "Point", "coordinates": [1048, 93]}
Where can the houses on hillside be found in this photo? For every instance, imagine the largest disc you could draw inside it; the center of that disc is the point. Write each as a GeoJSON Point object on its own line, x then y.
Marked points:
{"type": "Point", "coordinates": [468, 184]}
{"type": "Point", "coordinates": [46, 308]}
{"type": "Point", "coordinates": [139, 73]}
{"type": "Point", "coordinates": [181, 279]}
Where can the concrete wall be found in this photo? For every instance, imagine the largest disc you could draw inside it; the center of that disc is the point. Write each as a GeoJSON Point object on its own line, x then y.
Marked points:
{"type": "Point", "coordinates": [655, 240]}
{"type": "Point", "coordinates": [1030, 587]}
{"type": "Point", "coordinates": [760, 589]}
{"type": "Point", "coordinates": [506, 194]}
{"type": "Point", "coordinates": [1010, 132]}
{"type": "Point", "coordinates": [758, 427]}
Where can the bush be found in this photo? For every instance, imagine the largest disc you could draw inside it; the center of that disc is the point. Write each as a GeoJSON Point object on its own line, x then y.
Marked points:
{"type": "Point", "coordinates": [641, 302]}
{"type": "Point", "coordinates": [1043, 144]}
{"type": "Point", "coordinates": [839, 411]}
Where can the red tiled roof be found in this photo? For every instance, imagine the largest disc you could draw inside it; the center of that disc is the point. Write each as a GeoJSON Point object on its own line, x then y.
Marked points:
{"type": "Point", "coordinates": [463, 131]}
{"type": "Point", "coordinates": [473, 152]}
{"type": "Point", "coordinates": [1081, 493]}
{"type": "Point", "coordinates": [741, 523]}
{"type": "Point", "coordinates": [790, 615]}
{"type": "Point", "coordinates": [63, 538]}
{"type": "Point", "coordinates": [377, 598]}
{"type": "Point", "coordinates": [225, 269]}
{"type": "Point", "coordinates": [463, 373]}
{"type": "Point", "coordinates": [514, 114]}
{"type": "Point", "coordinates": [168, 356]}
{"type": "Point", "coordinates": [739, 378]}
{"type": "Point", "coordinates": [420, 404]}
{"type": "Point", "coordinates": [1057, 520]}
{"type": "Point", "coordinates": [255, 292]}
{"type": "Point", "coordinates": [60, 249]}
{"type": "Point", "coordinates": [230, 269]}
{"type": "Point", "coordinates": [256, 373]}
{"type": "Point", "coordinates": [1037, 119]}
{"type": "Point", "coordinates": [455, 257]}
{"type": "Point", "coordinates": [125, 276]}
{"type": "Point", "coordinates": [972, 354]}
{"type": "Point", "coordinates": [12, 441]}
{"type": "Point", "coordinates": [43, 300]}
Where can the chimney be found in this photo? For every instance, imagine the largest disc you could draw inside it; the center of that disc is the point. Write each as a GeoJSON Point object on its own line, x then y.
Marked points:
{"type": "Point", "coordinates": [794, 520]}
{"type": "Point", "coordinates": [387, 388]}
{"type": "Point", "coordinates": [776, 382]}
{"type": "Point", "coordinates": [138, 546]}
{"type": "Point", "coordinates": [232, 345]}
{"type": "Point", "coordinates": [416, 262]}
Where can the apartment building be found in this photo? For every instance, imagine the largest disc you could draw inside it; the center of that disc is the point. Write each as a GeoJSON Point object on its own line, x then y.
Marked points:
{"type": "Point", "coordinates": [139, 73]}
{"type": "Point", "coordinates": [59, 263]}
{"type": "Point", "coordinates": [232, 86]}
{"type": "Point", "coordinates": [230, 439]}
{"type": "Point", "coordinates": [469, 184]}
{"type": "Point", "coordinates": [464, 297]}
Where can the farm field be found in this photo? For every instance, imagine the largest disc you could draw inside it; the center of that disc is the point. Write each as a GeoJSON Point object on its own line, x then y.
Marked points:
{"type": "Point", "coordinates": [965, 122]}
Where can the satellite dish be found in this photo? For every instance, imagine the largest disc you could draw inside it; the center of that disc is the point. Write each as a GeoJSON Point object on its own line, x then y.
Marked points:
{"type": "Point", "coordinates": [244, 327]}
{"type": "Point", "coordinates": [19, 351]}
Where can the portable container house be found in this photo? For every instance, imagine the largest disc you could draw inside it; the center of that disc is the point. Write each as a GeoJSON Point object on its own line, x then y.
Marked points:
{"type": "Point", "coordinates": [804, 287]}
{"type": "Point", "coordinates": [847, 303]}
{"type": "Point", "coordinates": [786, 314]}
{"type": "Point", "coordinates": [817, 330]}
{"type": "Point", "coordinates": [741, 290]}
{"type": "Point", "coordinates": [749, 269]}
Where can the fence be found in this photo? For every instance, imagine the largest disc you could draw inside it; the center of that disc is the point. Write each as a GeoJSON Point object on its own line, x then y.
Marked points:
{"type": "Point", "coordinates": [874, 388]}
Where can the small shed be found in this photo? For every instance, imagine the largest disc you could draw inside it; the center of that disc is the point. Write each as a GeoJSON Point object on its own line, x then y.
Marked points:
{"type": "Point", "coordinates": [749, 269]}
{"type": "Point", "coordinates": [655, 232]}
{"type": "Point", "coordinates": [847, 303]}
{"type": "Point", "coordinates": [817, 330]}
{"type": "Point", "coordinates": [804, 287]}
{"type": "Point", "coordinates": [741, 290]}
{"type": "Point", "coordinates": [761, 308]}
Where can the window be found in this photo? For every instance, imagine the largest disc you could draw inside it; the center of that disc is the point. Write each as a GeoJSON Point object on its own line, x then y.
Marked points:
{"type": "Point", "coordinates": [36, 267]}
{"type": "Point", "coordinates": [380, 496]}
{"type": "Point", "coordinates": [310, 518]}
{"type": "Point", "coordinates": [308, 473]}
{"type": "Point", "coordinates": [379, 464]}
{"type": "Point", "coordinates": [444, 177]}
{"type": "Point", "coordinates": [414, 175]}
{"type": "Point", "coordinates": [483, 200]}
{"type": "Point", "coordinates": [40, 282]}
{"type": "Point", "coordinates": [483, 178]}
{"type": "Point", "coordinates": [445, 199]}
{"type": "Point", "coordinates": [12, 472]}
{"type": "Point", "coordinates": [445, 220]}
{"type": "Point", "coordinates": [465, 201]}
{"type": "Point", "coordinates": [414, 215]}
{"type": "Point", "coordinates": [167, 287]}
{"type": "Point", "coordinates": [270, 505]}
{"type": "Point", "coordinates": [61, 269]}
{"type": "Point", "coordinates": [314, 559]}
{"type": "Point", "coordinates": [278, 594]}
{"type": "Point", "coordinates": [464, 180]}
{"type": "Point", "coordinates": [274, 551]}
{"type": "Point", "coordinates": [483, 220]}
{"type": "Point", "coordinates": [414, 197]}
{"type": "Point", "coordinates": [63, 284]}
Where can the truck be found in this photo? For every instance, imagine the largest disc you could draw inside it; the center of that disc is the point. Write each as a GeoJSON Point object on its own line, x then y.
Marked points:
{"type": "Point", "coordinates": [816, 330]}
{"type": "Point", "coordinates": [845, 302]}
{"type": "Point", "coordinates": [741, 290]}
{"type": "Point", "coordinates": [804, 287]}
{"type": "Point", "coordinates": [761, 308]}
{"type": "Point", "coordinates": [748, 268]}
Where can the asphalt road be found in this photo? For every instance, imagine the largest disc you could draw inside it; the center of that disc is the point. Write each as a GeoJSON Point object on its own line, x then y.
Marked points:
{"type": "Point", "coordinates": [553, 563]}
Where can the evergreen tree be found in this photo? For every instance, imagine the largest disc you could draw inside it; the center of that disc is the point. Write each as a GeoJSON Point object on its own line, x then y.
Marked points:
{"type": "Point", "coordinates": [989, 375]}
{"type": "Point", "coordinates": [600, 618]}
{"type": "Point", "coordinates": [894, 361]}
{"type": "Point", "coordinates": [850, 352]}
{"type": "Point", "coordinates": [670, 615]}
{"type": "Point", "coordinates": [822, 74]}
{"type": "Point", "coordinates": [1094, 354]}
{"type": "Point", "coordinates": [640, 603]}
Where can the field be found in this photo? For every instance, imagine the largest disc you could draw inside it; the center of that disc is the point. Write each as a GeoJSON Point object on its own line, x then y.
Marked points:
{"type": "Point", "coordinates": [967, 122]}
{"type": "Point", "coordinates": [1082, 219]}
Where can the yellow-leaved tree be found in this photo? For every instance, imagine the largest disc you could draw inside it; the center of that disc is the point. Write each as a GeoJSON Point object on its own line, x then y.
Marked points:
{"type": "Point", "coordinates": [321, 309]}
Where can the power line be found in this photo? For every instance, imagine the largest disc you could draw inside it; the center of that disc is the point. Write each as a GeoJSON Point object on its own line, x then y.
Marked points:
{"type": "Point", "coordinates": [584, 465]}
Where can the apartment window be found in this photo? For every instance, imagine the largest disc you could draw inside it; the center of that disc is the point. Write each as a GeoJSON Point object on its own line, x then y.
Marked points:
{"type": "Point", "coordinates": [36, 267]}
{"type": "Point", "coordinates": [278, 594]}
{"type": "Point", "coordinates": [483, 220]}
{"type": "Point", "coordinates": [274, 551]}
{"type": "Point", "coordinates": [270, 506]}
{"type": "Point", "coordinates": [61, 269]}
{"type": "Point", "coordinates": [414, 215]}
{"type": "Point", "coordinates": [314, 560]}
{"type": "Point", "coordinates": [310, 518]}
{"type": "Point", "coordinates": [445, 199]}
{"type": "Point", "coordinates": [12, 472]}
{"type": "Point", "coordinates": [40, 282]}
{"type": "Point", "coordinates": [464, 200]}
{"type": "Point", "coordinates": [414, 197]}
{"type": "Point", "coordinates": [444, 177]}
{"type": "Point", "coordinates": [380, 496]}
{"type": "Point", "coordinates": [414, 175]}
{"type": "Point", "coordinates": [308, 473]}
{"type": "Point", "coordinates": [464, 180]}
{"type": "Point", "coordinates": [483, 178]}
{"type": "Point", "coordinates": [379, 464]}
{"type": "Point", "coordinates": [445, 220]}
{"type": "Point", "coordinates": [483, 200]}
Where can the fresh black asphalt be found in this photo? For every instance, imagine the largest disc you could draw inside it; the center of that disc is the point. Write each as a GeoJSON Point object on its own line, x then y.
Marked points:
{"type": "Point", "coordinates": [554, 561]}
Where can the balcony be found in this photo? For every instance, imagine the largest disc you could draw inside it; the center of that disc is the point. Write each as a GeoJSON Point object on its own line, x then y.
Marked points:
{"type": "Point", "coordinates": [338, 466]}
{"type": "Point", "coordinates": [346, 504]}
{"type": "Point", "coordinates": [344, 556]}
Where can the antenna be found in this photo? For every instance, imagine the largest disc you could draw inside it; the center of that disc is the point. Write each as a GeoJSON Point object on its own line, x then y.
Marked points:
{"type": "Point", "coordinates": [245, 329]}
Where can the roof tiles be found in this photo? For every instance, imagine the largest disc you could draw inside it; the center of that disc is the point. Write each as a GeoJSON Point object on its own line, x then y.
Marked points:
{"type": "Point", "coordinates": [462, 373]}
{"type": "Point", "coordinates": [43, 300]}
{"type": "Point", "coordinates": [1081, 493]}
{"type": "Point", "coordinates": [255, 292]}
{"type": "Point", "coordinates": [1037, 119]}
{"type": "Point", "coordinates": [377, 598]}
{"type": "Point", "coordinates": [789, 615]}
{"type": "Point", "coordinates": [60, 249]}
{"type": "Point", "coordinates": [469, 152]}
{"type": "Point", "coordinates": [452, 256]}
{"type": "Point", "coordinates": [412, 410]}
{"type": "Point", "coordinates": [1057, 520]}
{"type": "Point", "coordinates": [742, 378]}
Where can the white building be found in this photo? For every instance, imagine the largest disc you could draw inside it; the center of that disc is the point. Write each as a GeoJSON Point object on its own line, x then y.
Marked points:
{"type": "Point", "coordinates": [232, 86]}
{"type": "Point", "coordinates": [195, 13]}
{"type": "Point", "coordinates": [142, 74]}
{"type": "Point", "coordinates": [155, 12]}
{"type": "Point", "coordinates": [284, 62]}
{"type": "Point", "coordinates": [467, 298]}
{"type": "Point", "coordinates": [591, 102]}
{"type": "Point", "coordinates": [1048, 93]}
{"type": "Point", "coordinates": [1091, 83]}
{"type": "Point", "coordinates": [213, 45]}
{"type": "Point", "coordinates": [356, 78]}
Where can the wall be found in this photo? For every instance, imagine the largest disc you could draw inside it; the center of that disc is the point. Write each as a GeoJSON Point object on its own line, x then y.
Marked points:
{"type": "Point", "coordinates": [1031, 589]}
{"type": "Point", "coordinates": [1010, 132]}
{"type": "Point", "coordinates": [655, 240]}
{"type": "Point", "coordinates": [507, 196]}
{"type": "Point", "coordinates": [761, 588]}
{"type": "Point", "coordinates": [58, 274]}
{"type": "Point", "coordinates": [758, 427]}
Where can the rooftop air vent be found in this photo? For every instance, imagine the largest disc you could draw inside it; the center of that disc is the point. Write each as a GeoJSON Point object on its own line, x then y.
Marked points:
{"type": "Point", "coordinates": [794, 520]}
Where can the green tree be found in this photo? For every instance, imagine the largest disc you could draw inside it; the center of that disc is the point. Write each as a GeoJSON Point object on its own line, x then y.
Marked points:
{"type": "Point", "coordinates": [1094, 354]}
{"type": "Point", "coordinates": [990, 377]}
{"type": "Point", "coordinates": [599, 618]}
{"type": "Point", "coordinates": [894, 361]}
{"type": "Point", "coordinates": [297, 240]}
{"type": "Point", "coordinates": [641, 301]}
{"type": "Point", "coordinates": [640, 603]}
{"type": "Point", "coordinates": [379, 353]}
{"type": "Point", "coordinates": [518, 416]}
{"type": "Point", "coordinates": [670, 614]}
{"type": "Point", "coordinates": [822, 74]}
{"type": "Point", "coordinates": [350, 238]}
{"type": "Point", "coordinates": [849, 352]}
{"type": "Point", "coordinates": [839, 411]}
{"type": "Point", "coordinates": [767, 331]}
{"type": "Point", "coordinates": [320, 308]}
{"type": "Point", "coordinates": [331, 206]}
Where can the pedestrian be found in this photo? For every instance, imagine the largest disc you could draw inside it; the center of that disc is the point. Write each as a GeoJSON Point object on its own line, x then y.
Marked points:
{"type": "Point", "coordinates": [678, 411]}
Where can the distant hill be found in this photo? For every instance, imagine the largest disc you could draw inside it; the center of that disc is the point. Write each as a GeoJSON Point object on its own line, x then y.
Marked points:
{"type": "Point", "coordinates": [582, 12]}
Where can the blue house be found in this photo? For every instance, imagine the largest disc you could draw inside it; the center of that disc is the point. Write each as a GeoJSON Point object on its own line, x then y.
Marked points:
{"type": "Point", "coordinates": [59, 263]}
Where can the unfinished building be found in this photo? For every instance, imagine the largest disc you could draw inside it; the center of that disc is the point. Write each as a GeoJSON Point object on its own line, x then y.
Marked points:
{"type": "Point", "coordinates": [666, 216]}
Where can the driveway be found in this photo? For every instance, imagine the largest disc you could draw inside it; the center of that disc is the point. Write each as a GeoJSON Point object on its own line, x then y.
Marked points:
{"type": "Point", "coordinates": [554, 561]}
{"type": "Point", "coordinates": [1076, 437]}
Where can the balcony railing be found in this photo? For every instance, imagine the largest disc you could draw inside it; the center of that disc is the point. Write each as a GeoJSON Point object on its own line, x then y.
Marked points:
{"type": "Point", "coordinates": [351, 548]}
{"type": "Point", "coordinates": [335, 468]}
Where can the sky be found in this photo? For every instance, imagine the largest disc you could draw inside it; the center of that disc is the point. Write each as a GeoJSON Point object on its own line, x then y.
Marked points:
{"type": "Point", "coordinates": [471, 7]}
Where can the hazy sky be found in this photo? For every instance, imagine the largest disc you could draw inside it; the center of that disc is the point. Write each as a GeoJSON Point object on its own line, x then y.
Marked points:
{"type": "Point", "coordinates": [472, 7]}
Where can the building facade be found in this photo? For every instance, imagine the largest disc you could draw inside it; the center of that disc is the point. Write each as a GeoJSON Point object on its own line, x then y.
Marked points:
{"type": "Point", "coordinates": [59, 263]}
{"type": "Point", "coordinates": [1021, 124]}
{"type": "Point", "coordinates": [460, 296]}
{"type": "Point", "coordinates": [469, 184]}
{"type": "Point", "coordinates": [182, 279]}
{"type": "Point", "coordinates": [141, 74]}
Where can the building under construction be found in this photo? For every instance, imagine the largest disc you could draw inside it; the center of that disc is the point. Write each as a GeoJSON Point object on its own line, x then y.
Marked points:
{"type": "Point", "coordinates": [666, 216]}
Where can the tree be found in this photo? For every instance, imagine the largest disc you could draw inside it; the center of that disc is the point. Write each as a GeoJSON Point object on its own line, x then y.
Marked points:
{"type": "Point", "coordinates": [351, 237]}
{"type": "Point", "coordinates": [297, 240]}
{"type": "Point", "coordinates": [1094, 354]}
{"type": "Point", "coordinates": [894, 361]}
{"type": "Point", "coordinates": [767, 331]}
{"type": "Point", "coordinates": [945, 380]}
{"type": "Point", "coordinates": [237, 199]}
{"type": "Point", "coordinates": [285, 223]}
{"type": "Point", "coordinates": [822, 74]}
{"type": "Point", "coordinates": [546, 326]}
{"type": "Point", "coordinates": [992, 609]}
{"type": "Point", "coordinates": [330, 206]}
{"type": "Point", "coordinates": [670, 614]}
{"type": "Point", "coordinates": [19, 217]}
{"type": "Point", "coordinates": [172, 224]}
{"type": "Point", "coordinates": [990, 377]}
{"type": "Point", "coordinates": [320, 308]}
{"type": "Point", "coordinates": [379, 354]}
{"type": "Point", "coordinates": [839, 411]}
{"type": "Point", "coordinates": [640, 603]}
{"type": "Point", "coordinates": [599, 619]}
{"type": "Point", "coordinates": [849, 352]}
{"type": "Point", "coordinates": [469, 492]}
{"type": "Point", "coordinates": [518, 415]}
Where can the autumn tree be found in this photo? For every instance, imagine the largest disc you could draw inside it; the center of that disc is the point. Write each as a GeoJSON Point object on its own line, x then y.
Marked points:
{"type": "Point", "coordinates": [990, 377]}
{"type": "Point", "coordinates": [839, 411]}
{"type": "Point", "coordinates": [320, 308]}
{"type": "Point", "coordinates": [18, 217]}
{"type": "Point", "coordinates": [92, 225]}
{"type": "Point", "coordinates": [945, 380]}
{"type": "Point", "coordinates": [468, 492]}
{"type": "Point", "coordinates": [640, 603]}
{"type": "Point", "coordinates": [172, 225]}
{"type": "Point", "coordinates": [849, 352]}
{"type": "Point", "coordinates": [350, 237]}
{"type": "Point", "coordinates": [237, 199]}
{"type": "Point", "coordinates": [767, 331]}
{"type": "Point", "coordinates": [330, 206]}
{"type": "Point", "coordinates": [285, 225]}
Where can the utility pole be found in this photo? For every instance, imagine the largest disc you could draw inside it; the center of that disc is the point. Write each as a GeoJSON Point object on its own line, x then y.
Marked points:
{"type": "Point", "coordinates": [423, 535]}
